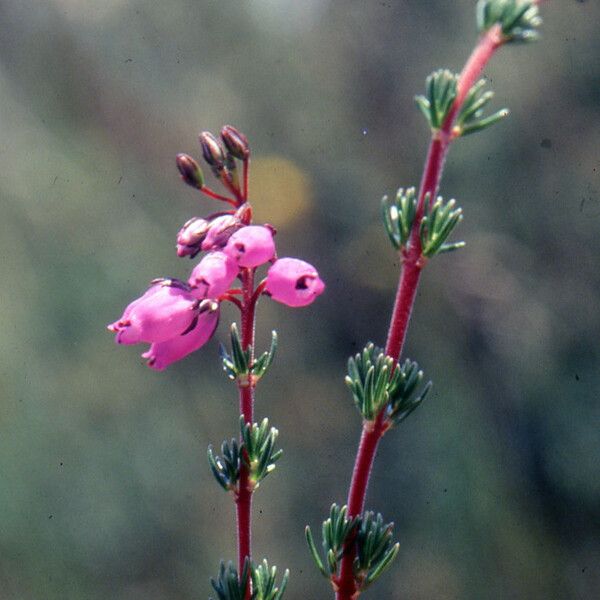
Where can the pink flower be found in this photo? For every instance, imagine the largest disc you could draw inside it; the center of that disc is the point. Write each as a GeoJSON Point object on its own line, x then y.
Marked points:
{"type": "Point", "coordinates": [293, 282]}
{"type": "Point", "coordinates": [251, 246]}
{"type": "Point", "coordinates": [213, 275]}
{"type": "Point", "coordinates": [161, 355]}
{"type": "Point", "coordinates": [219, 231]}
{"type": "Point", "coordinates": [164, 311]}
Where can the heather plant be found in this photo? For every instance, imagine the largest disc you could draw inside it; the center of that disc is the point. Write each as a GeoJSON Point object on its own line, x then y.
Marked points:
{"type": "Point", "coordinates": [176, 317]}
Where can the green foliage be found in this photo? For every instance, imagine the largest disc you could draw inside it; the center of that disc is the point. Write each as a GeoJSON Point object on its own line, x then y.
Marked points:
{"type": "Point", "coordinates": [399, 215]}
{"type": "Point", "coordinates": [439, 97]}
{"type": "Point", "coordinates": [258, 450]}
{"type": "Point", "coordinates": [336, 532]}
{"type": "Point", "coordinates": [264, 582]}
{"type": "Point", "coordinates": [437, 224]}
{"type": "Point", "coordinates": [371, 375]}
{"type": "Point", "coordinates": [367, 534]}
{"type": "Point", "coordinates": [404, 398]}
{"type": "Point", "coordinates": [229, 586]}
{"type": "Point", "coordinates": [519, 19]}
{"type": "Point", "coordinates": [375, 549]}
{"type": "Point", "coordinates": [377, 382]}
{"type": "Point", "coordinates": [239, 365]}
{"type": "Point", "coordinates": [226, 468]}
{"type": "Point", "coordinates": [264, 361]}
{"type": "Point", "coordinates": [470, 117]}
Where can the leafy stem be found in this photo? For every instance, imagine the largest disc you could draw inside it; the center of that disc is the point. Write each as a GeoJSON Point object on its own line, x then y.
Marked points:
{"type": "Point", "coordinates": [412, 264]}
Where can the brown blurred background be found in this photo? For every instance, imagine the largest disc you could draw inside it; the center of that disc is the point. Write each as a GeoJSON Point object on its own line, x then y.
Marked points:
{"type": "Point", "coordinates": [493, 484]}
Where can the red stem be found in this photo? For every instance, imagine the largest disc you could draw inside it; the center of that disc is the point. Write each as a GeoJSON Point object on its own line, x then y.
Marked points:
{"type": "Point", "coordinates": [246, 392]}
{"type": "Point", "coordinates": [412, 264]}
{"type": "Point", "coordinates": [227, 181]}
{"type": "Point", "coordinates": [245, 178]}
{"type": "Point", "coordinates": [212, 194]}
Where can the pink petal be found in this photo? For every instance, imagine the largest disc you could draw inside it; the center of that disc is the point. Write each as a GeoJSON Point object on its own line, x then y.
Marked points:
{"type": "Point", "coordinates": [161, 355]}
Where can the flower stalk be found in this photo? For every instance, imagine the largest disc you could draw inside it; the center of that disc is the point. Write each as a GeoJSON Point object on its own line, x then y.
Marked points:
{"type": "Point", "coordinates": [178, 317]}
{"type": "Point", "coordinates": [246, 388]}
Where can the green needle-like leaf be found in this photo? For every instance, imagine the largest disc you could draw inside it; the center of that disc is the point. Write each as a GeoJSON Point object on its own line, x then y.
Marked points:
{"type": "Point", "coordinates": [261, 364]}
{"type": "Point", "coordinates": [314, 552]}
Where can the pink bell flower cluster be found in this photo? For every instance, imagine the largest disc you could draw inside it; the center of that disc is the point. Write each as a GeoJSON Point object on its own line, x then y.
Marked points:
{"type": "Point", "coordinates": [177, 318]}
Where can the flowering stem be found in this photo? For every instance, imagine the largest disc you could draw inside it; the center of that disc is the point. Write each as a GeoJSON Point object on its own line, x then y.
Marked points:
{"type": "Point", "coordinates": [246, 394]}
{"type": "Point", "coordinates": [412, 264]}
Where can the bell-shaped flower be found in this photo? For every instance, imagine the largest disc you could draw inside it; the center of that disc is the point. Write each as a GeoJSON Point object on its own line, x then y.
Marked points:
{"type": "Point", "coordinates": [164, 311]}
{"type": "Point", "coordinates": [293, 282]}
{"type": "Point", "coordinates": [251, 246]}
{"type": "Point", "coordinates": [161, 355]}
{"type": "Point", "coordinates": [213, 275]}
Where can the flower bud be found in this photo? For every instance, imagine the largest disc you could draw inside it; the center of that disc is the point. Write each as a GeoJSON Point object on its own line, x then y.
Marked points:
{"type": "Point", "coordinates": [161, 354]}
{"type": "Point", "coordinates": [213, 275]}
{"type": "Point", "coordinates": [293, 282]}
{"type": "Point", "coordinates": [190, 171]}
{"type": "Point", "coordinates": [235, 142]}
{"type": "Point", "coordinates": [211, 150]}
{"type": "Point", "coordinates": [219, 231]}
{"type": "Point", "coordinates": [191, 236]}
{"type": "Point", "coordinates": [251, 246]}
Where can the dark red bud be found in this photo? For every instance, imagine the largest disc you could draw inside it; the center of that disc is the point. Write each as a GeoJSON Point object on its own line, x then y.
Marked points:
{"type": "Point", "coordinates": [190, 171]}
{"type": "Point", "coordinates": [235, 142]}
{"type": "Point", "coordinates": [211, 150]}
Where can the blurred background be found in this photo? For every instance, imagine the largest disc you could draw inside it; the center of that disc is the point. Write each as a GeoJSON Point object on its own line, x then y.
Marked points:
{"type": "Point", "coordinates": [493, 484]}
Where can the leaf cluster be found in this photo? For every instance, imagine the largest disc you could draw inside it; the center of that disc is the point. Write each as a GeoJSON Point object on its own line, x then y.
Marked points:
{"type": "Point", "coordinates": [256, 451]}
{"type": "Point", "coordinates": [375, 549]}
{"type": "Point", "coordinates": [440, 93]}
{"type": "Point", "coordinates": [470, 118]}
{"type": "Point", "coordinates": [226, 468]}
{"type": "Point", "coordinates": [259, 454]}
{"type": "Point", "coordinates": [264, 582]}
{"type": "Point", "coordinates": [519, 19]}
{"type": "Point", "coordinates": [404, 398]}
{"type": "Point", "coordinates": [239, 365]}
{"type": "Point", "coordinates": [367, 534]}
{"type": "Point", "coordinates": [437, 224]}
{"type": "Point", "coordinates": [378, 383]}
{"type": "Point", "coordinates": [399, 215]}
{"type": "Point", "coordinates": [337, 531]}
{"type": "Point", "coordinates": [229, 585]}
